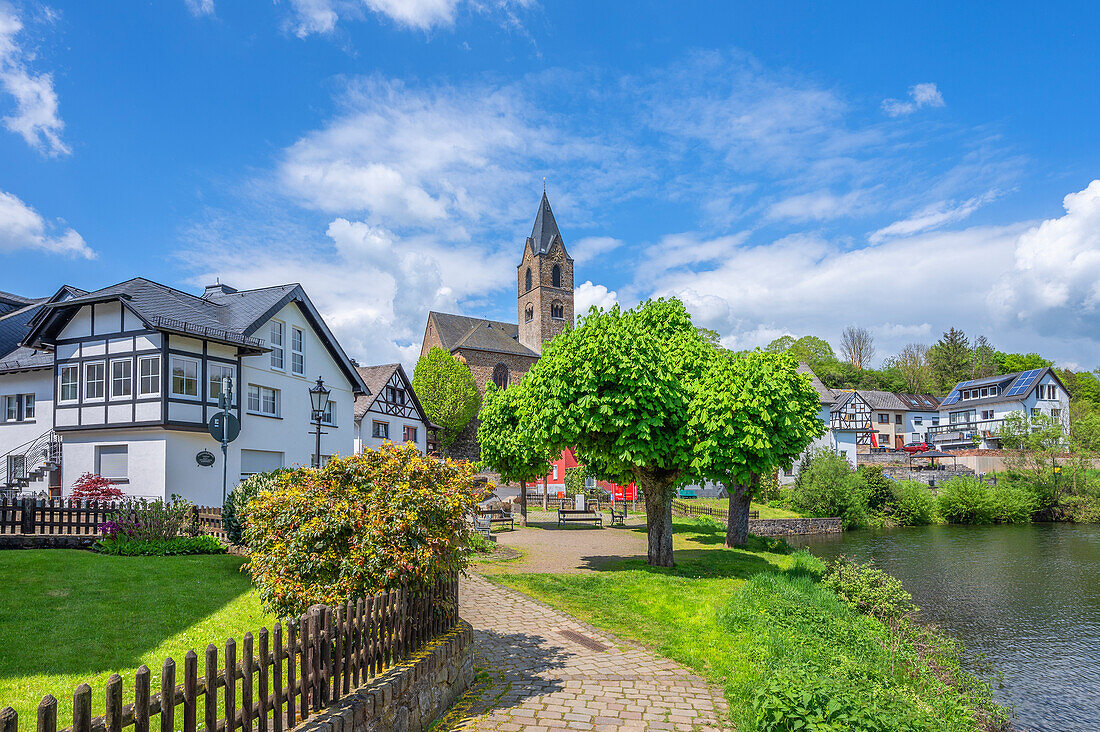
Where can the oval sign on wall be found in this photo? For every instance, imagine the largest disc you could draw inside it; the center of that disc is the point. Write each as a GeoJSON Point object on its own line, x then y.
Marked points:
{"type": "Point", "coordinates": [205, 458]}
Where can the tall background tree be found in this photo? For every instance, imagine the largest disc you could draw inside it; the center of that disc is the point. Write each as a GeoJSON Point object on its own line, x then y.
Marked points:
{"type": "Point", "coordinates": [857, 345]}
{"type": "Point", "coordinates": [912, 365]}
{"type": "Point", "coordinates": [983, 359]}
{"type": "Point", "coordinates": [446, 389]}
{"type": "Point", "coordinates": [505, 447]}
{"type": "Point", "coordinates": [808, 349]}
{"type": "Point", "coordinates": [754, 413]}
{"type": "Point", "coordinates": [618, 388]}
{"type": "Point", "coordinates": [951, 359]}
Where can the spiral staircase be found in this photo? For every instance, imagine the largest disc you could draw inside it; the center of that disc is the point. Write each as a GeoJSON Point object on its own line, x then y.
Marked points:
{"type": "Point", "coordinates": [30, 462]}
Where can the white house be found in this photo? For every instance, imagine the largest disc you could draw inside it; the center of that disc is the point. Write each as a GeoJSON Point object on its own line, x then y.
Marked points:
{"type": "Point", "coordinates": [390, 412]}
{"type": "Point", "coordinates": [826, 398]}
{"type": "Point", "coordinates": [137, 372]}
{"type": "Point", "coordinates": [974, 411]}
{"type": "Point", "coordinates": [27, 441]}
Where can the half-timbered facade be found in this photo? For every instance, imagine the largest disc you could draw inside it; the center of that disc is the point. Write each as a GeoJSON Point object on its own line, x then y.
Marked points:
{"type": "Point", "coordinates": [138, 370]}
{"type": "Point", "coordinates": [390, 412]}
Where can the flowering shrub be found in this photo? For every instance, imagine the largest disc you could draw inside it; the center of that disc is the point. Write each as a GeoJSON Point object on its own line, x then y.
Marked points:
{"type": "Point", "coordinates": [146, 520]}
{"type": "Point", "coordinates": [380, 520]}
{"type": "Point", "coordinates": [96, 488]}
{"type": "Point", "coordinates": [235, 503]}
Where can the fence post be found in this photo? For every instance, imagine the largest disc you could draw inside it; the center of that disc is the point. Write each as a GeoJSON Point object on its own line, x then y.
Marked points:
{"type": "Point", "coordinates": [27, 527]}
{"type": "Point", "coordinates": [141, 699]}
{"type": "Point", "coordinates": [82, 709]}
{"type": "Point", "coordinates": [114, 704]}
{"type": "Point", "coordinates": [9, 720]}
{"type": "Point", "coordinates": [168, 696]}
{"type": "Point", "coordinates": [47, 714]}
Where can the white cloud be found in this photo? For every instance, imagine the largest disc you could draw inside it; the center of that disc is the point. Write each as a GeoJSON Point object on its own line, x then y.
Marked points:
{"type": "Point", "coordinates": [920, 95]}
{"type": "Point", "coordinates": [1054, 283]}
{"type": "Point", "coordinates": [321, 16]}
{"type": "Point", "coordinates": [819, 206]}
{"type": "Point", "coordinates": [589, 248]}
{"type": "Point", "coordinates": [36, 117]}
{"type": "Point", "coordinates": [589, 295]}
{"type": "Point", "coordinates": [21, 227]}
{"type": "Point", "coordinates": [932, 217]}
{"type": "Point", "coordinates": [199, 8]}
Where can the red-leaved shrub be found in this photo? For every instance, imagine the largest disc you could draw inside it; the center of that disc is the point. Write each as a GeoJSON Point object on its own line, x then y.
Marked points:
{"type": "Point", "coordinates": [96, 488]}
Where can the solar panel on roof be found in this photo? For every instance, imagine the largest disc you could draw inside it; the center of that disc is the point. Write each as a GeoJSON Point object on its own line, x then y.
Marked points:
{"type": "Point", "coordinates": [1023, 383]}
{"type": "Point", "coordinates": [955, 394]}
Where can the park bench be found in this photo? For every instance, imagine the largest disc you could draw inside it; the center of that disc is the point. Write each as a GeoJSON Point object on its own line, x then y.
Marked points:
{"type": "Point", "coordinates": [482, 526]}
{"type": "Point", "coordinates": [498, 516]}
{"type": "Point", "coordinates": [618, 517]}
{"type": "Point", "coordinates": [571, 515]}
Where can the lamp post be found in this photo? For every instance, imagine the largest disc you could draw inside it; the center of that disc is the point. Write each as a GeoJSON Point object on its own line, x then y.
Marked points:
{"type": "Point", "coordinates": [318, 397]}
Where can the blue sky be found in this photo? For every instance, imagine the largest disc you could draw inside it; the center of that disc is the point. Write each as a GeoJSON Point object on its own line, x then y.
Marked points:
{"type": "Point", "coordinates": [783, 168]}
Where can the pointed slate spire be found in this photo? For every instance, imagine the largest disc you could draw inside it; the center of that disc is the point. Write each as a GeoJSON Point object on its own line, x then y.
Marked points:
{"type": "Point", "coordinates": [545, 228]}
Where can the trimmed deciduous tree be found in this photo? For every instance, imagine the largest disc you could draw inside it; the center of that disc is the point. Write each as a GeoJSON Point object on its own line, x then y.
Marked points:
{"type": "Point", "coordinates": [505, 448]}
{"type": "Point", "coordinates": [618, 388]}
{"type": "Point", "coordinates": [754, 413]}
{"type": "Point", "coordinates": [446, 389]}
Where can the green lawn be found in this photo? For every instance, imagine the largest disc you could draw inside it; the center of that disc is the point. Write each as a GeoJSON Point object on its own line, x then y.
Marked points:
{"type": "Point", "coordinates": [68, 617]}
{"type": "Point", "coordinates": [748, 618]}
{"type": "Point", "coordinates": [766, 512]}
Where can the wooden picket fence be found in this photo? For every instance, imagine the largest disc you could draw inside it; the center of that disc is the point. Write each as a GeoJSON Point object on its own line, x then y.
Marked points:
{"type": "Point", "coordinates": [685, 508]}
{"type": "Point", "coordinates": [326, 654]}
{"type": "Point", "coordinates": [69, 517]}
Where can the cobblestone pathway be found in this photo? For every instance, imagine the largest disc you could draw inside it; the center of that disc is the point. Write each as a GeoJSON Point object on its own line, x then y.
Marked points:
{"type": "Point", "coordinates": [537, 678]}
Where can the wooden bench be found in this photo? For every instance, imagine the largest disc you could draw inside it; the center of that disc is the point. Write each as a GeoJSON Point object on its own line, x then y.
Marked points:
{"type": "Point", "coordinates": [575, 516]}
{"type": "Point", "coordinates": [618, 518]}
{"type": "Point", "coordinates": [498, 516]}
{"type": "Point", "coordinates": [482, 526]}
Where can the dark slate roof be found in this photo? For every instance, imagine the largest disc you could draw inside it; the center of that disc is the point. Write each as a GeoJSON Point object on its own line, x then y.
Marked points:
{"type": "Point", "coordinates": [10, 302]}
{"type": "Point", "coordinates": [478, 334]}
{"type": "Point", "coordinates": [545, 230]}
{"type": "Point", "coordinates": [14, 327]}
{"type": "Point", "coordinates": [1005, 383]}
{"type": "Point", "coordinates": [920, 402]}
{"type": "Point", "coordinates": [824, 393]}
{"type": "Point", "coordinates": [222, 315]}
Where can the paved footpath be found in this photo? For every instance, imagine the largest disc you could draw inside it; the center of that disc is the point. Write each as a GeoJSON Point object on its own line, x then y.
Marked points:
{"type": "Point", "coordinates": [537, 678]}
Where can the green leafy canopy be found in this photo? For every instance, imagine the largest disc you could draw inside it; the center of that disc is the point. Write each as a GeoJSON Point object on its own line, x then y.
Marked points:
{"type": "Point", "coordinates": [446, 389]}
{"type": "Point", "coordinates": [506, 447]}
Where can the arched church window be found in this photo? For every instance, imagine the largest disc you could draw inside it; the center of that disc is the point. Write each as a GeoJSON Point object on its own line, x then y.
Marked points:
{"type": "Point", "coordinates": [528, 314]}
{"type": "Point", "coordinates": [555, 276]}
{"type": "Point", "coordinates": [500, 376]}
{"type": "Point", "coordinates": [527, 280]}
{"type": "Point", "coordinates": [557, 310]}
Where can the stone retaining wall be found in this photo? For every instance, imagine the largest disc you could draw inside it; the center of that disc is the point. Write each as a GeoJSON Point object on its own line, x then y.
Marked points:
{"type": "Point", "coordinates": [410, 696]}
{"type": "Point", "coordinates": [795, 526]}
{"type": "Point", "coordinates": [45, 541]}
{"type": "Point", "coordinates": [928, 477]}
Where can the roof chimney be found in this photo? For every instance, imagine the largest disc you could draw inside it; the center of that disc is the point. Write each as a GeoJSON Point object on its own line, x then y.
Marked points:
{"type": "Point", "coordinates": [217, 289]}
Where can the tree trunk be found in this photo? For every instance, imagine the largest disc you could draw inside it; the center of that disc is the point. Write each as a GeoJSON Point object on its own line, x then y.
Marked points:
{"type": "Point", "coordinates": [657, 486]}
{"type": "Point", "coordinates": [523, 500]}
{"type": "Point", "coordinates": [737, 518]}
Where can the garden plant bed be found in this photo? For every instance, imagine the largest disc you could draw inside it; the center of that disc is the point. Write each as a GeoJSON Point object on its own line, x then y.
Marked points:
{"type": "Point", "coordinates": [69, 617]}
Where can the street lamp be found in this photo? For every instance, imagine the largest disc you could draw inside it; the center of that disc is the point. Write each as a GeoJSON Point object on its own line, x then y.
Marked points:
{"type": "Point", "coordinates": [318, 397]}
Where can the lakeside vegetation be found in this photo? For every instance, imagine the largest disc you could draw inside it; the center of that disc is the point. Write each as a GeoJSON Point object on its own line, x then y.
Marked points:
{"type": "Point", "coordinates": [1035, 489]}
{"type": "Point", "coordinates": [770, 627]}
{"type": "Point", "coordinates": [72, 616]}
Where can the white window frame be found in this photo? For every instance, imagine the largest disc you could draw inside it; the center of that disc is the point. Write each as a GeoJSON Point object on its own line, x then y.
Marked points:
{"type": "Point", "coordinates": [128, 379]}
{"type": "Point", "coordinates": [278, 346]}
{"type": "Point", "coordinates": [102, 381]}
{"type": "Point", "coordinates": [172, 360]}
{"type": "Point", "coordinates": [211, 366]}
{"type": "Point", "coordinates": [28, 407]}
{"type": "Point", "coordinates": [98, 457]}
{"type": "Point", "coordinates": [10, 414]}
{"type": "Point", "coordinates": [75, 383]}
{"type": "Point", "coordinates": [260, 392]}
{"type": "Point", "coordinates": [329, 415]}
{"type": "Point", "coordinates": [918, 420]}
{"type": "Point", "coordinates": [375, 424]}
{"type": "Point", "coordinates": [299, 352]}
{"type": "Point", "coordinates": [142, 360]}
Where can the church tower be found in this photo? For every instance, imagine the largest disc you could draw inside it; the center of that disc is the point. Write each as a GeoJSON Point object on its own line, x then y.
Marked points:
{"type": "Point", "coordinates": [545, 276]}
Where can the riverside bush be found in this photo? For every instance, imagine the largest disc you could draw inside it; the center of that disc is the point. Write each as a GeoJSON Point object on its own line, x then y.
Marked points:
{"type": "Point", "coordinates": [122, 546]}
{"type": "Point", "coordinates": [967, 500]}
{"type": "Point", "coordinates": [868, 589]}
{"type": "Point", "coordinates": [827, 486]}
{"type": "Point", "coordinates": [912, 504]}
{"type": "Point", "coordinates": [380, 520]}
{"type": "Point", "coordinates": [234, 511]}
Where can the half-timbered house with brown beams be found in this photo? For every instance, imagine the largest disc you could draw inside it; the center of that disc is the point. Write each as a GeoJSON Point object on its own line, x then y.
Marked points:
{"type": "Point", "coordinates": [390, 412]}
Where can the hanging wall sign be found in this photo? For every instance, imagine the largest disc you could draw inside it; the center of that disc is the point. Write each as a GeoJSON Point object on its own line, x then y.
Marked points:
{"type": "Point", "coordinates": [205, 458]}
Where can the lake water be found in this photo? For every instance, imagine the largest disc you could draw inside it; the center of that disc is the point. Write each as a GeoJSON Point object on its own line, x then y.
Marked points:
{"type": "Point", "coordinates": [1025, 597]}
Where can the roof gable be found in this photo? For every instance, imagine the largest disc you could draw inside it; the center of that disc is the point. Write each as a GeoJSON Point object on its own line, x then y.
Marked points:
{"type": "Point", "coordinates": [1013, 387]}
{"type": "Point", "coordinates": [480, 334]}
{"type": "Point", "coordinates": [377, 378]}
